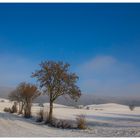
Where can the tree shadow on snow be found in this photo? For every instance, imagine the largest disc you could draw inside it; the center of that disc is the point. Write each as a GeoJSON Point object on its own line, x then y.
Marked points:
{"type": "Point", "coordinates": [129, 115]}
{"type": "Point", "coordinates": [95, 120]}
{"type": "Point", "coordinates": [14, 117]}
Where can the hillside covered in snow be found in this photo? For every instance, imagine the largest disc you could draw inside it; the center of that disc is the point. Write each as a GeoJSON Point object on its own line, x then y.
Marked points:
{"type": "Point", "coordinates": [106, 120]}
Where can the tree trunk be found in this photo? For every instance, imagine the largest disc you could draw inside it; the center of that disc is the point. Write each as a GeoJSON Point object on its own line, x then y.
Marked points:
{"type": "Point", "coordinates": [51, 112]}
{"type": "Point", "coordinates": [27, 110]}
{"type": "Point", "coordinates": [21, 108]}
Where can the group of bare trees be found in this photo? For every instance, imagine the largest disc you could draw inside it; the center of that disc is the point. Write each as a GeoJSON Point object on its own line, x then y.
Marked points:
{"type": "Point", "coordinates": [54, 80]}
{"type": "Point", "coordinates": [24, 95]}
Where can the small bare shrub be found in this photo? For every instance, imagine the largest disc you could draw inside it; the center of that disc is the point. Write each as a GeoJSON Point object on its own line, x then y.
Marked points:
{"type": "Point", "coordinates": [40, 115]}
{"type": "Point", "coordinates": [81, 122]}
{"type": "Point", "coordinates": [61, 124]}
{"type": "Point", "coordinates": [41, 105]}
{"type": "Point", "coordinates": [46, 117]}
{"type": "Point", "coordinates": [11, 110]}
{"type": "Point", "coordinates": [87, 107]}
{"type": "Point", "coordinates": [14, 108]}
{"type": "Point", "coordinates": [131, 107]}
{"type": "Point", "coordinates": [2, 101]}
{"type": "Point", "coordinates": [65, 124]}
{"type": "Point", "coordinates": [6, 109]}
{"type": "Point", "coordinates": [43, 116]}
{"type": "Point", "coordinates": [80, 106]}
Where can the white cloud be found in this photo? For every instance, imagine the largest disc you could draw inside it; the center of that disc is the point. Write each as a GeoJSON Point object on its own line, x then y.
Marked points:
{"type": "Point", "coordinates": [106, 75]}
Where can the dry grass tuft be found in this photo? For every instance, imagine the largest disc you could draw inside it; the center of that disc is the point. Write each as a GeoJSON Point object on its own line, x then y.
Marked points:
{"type": "Point", "coordinates": [131, 107]}
{"type": "Point", "coordinates": [81, 122]}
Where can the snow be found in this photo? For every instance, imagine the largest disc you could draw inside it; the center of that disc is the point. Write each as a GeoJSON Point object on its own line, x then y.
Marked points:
{"type": "Point", "coordinates": [104, 120]}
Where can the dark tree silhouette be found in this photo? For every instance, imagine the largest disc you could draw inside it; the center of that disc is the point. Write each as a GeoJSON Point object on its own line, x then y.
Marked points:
{"type": "Point", "coordinates": [56, 80]}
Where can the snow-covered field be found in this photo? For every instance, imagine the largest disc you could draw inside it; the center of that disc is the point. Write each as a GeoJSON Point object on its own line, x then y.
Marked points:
{"type": "Point", "coordinates": [104, 120]}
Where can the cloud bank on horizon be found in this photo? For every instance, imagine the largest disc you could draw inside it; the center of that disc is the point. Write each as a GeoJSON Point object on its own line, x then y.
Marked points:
{"type": "Point", "coordinates": [101, 75]}
{"type": "Point", "coordinates": [105, 75]}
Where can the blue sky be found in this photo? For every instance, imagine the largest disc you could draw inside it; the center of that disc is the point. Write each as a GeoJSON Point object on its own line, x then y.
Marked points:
{"type": "Point", "coordinates": [100, 41]}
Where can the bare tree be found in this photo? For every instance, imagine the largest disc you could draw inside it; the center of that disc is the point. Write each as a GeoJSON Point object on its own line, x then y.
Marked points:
{"type": "Point", "coordinates": [15, 95]}
{"type": "Point", "coordinates": [28, 92]}
{"type": "Point", "coordinates": [25, 93]}
{"type": "Point", "coordinates": [56, 80]}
